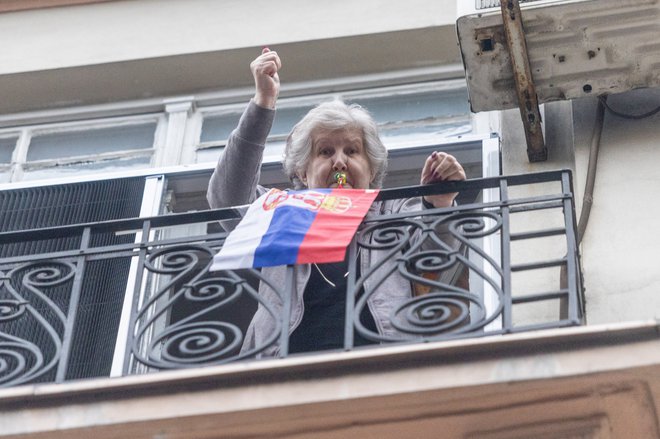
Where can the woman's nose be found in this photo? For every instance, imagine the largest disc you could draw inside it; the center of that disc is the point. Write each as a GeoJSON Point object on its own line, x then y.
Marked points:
{"type": "Point", "coordinates": [339, 163]}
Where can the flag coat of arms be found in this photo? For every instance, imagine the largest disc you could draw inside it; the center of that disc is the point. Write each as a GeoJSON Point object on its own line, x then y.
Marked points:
{"type": "Point", "coordinates": [295, 227]}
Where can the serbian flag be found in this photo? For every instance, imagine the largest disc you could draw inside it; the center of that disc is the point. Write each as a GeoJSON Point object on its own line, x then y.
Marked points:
{"type": "Point", "coordinates": [295, 227]}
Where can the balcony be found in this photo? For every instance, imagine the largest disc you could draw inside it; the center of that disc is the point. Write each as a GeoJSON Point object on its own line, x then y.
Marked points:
{"type": "Point", "coordinates": [516, 254]}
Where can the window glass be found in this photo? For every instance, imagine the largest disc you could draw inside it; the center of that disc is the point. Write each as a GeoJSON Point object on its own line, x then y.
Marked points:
{"type": "Point", "coordinates": [427, 106]}
{"type": "Point", "coordinates": [218, 128]}
{"type": "Point", "coordinates": [443, 112]}
{"type": "Point", "coordinates": [6, 149]}
{"type": "Point", "coordinates": [410, 133]}
{"type": "Point", "coordinates": [93, 141]}
{"type": "Point", "coordinates": [273, 152]}
{"type": "Point", "coordinates": [208, 154]}
{"type": "Point", "coordinates": [82, 168]}
{"type": "Point", "coordinates": [286, 118]}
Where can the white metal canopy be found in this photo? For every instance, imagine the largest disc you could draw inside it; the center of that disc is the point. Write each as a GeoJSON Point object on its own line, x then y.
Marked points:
{"type": "Point", "coordinates": [575, 48]}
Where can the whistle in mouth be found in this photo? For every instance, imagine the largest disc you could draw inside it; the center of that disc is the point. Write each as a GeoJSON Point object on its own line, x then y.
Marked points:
{"type": "Point", "coordinates": [340, 178]}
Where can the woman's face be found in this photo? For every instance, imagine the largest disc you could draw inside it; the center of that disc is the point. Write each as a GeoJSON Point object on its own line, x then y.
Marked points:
{"type": "Point", "coordinates": [337, 151]}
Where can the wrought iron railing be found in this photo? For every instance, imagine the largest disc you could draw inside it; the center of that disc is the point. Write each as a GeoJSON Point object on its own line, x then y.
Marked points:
{"type": "Point", "coordinates": [503, 260]}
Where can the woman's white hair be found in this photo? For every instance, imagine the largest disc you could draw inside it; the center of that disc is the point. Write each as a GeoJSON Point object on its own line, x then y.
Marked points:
{"type": "Point", "coordinates": [334, 115]}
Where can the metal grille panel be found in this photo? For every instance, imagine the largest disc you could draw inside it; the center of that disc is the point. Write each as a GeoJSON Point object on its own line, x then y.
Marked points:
{"type": "Point", "coordinates": [99, 305]}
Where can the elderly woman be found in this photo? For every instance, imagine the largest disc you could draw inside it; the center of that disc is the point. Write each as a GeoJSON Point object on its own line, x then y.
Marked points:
{"type": "Point", "coordinates": [333, 137]}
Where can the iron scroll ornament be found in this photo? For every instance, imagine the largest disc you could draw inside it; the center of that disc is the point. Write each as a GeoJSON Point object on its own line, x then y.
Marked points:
{"type": "Point", "coordinates": [198, 339]}
{"type": "Point", "coordinates": [27, 306]}
{"type": "Point", "coordinates": [415, 246]}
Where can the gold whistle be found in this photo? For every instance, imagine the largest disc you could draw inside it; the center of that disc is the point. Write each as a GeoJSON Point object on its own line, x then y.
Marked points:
{"type": "Point", "coordinates": [340, 178]}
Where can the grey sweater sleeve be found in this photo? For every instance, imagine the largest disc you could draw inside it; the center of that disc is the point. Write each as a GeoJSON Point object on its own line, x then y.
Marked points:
{"type": "Point", "coordinates": [234, 180]}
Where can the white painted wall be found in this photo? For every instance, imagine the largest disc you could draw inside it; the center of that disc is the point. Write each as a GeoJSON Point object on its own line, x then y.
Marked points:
{"type": "Point", "coordinates": [135, 49]}
{"type": "Point", "coordinates": [619, 251]}
{"type": "Point", "coordinates": [38, 40]}
{"type": "Point", "coordinates": [559, 141]}
{"type": "Point", "coordinates": [620, 246]}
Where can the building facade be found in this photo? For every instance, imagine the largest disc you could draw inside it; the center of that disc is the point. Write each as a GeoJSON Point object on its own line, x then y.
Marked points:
{"type": "Point", "coordinates": [120, 109]}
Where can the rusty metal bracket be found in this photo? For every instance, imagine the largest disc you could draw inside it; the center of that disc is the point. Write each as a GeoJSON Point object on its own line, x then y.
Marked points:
{"type": "Point", "coordinates": [522, 73]}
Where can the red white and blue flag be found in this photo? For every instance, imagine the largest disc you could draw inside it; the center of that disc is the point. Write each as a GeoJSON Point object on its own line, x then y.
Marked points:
{"type": "Point", "coordinates": [295, 227]}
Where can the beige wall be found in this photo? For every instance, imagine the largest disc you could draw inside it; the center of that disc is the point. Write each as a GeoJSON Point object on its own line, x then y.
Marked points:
{"type": "Point", "coordinates": [129, 30]}
{"type": "Point", "coordinates": [598, 382]}
{"type": "Point", "coordinates": [21, 5]}
{"type": "Point", "coordinates": [620, 266]}
{"type": "Point", "coordinates": [622, 274]}
{"type": "Point", "coordinates": [126, 50]}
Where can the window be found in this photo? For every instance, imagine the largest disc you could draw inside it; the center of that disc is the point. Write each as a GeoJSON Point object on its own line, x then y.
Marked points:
{"type": "Point", "coordinates": [403, 113]}
{"type": "Point", "coordinates": [186, 130]}
{"type": "Point", "coordinates": [76, 148]}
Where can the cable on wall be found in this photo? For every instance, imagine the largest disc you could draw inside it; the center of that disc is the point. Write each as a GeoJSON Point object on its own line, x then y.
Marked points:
{"type": "Point", "coordinates": [588, 197]}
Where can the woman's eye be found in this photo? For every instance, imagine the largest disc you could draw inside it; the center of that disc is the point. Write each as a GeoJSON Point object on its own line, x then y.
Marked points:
{"type": "Point", "coordinates": [325, 152]}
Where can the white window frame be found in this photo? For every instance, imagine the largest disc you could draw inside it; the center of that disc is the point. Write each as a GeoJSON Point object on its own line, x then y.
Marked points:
{"type": "Point", "coordinates": [19, 164]}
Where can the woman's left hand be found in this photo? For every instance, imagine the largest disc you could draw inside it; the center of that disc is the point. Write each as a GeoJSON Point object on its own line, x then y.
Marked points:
{"type": "Point", "coordinates": [440, 166]}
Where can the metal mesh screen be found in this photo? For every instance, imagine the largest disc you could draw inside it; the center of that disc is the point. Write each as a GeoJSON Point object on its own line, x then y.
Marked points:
{"type": "Point", "coordinates": [98, 312]}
